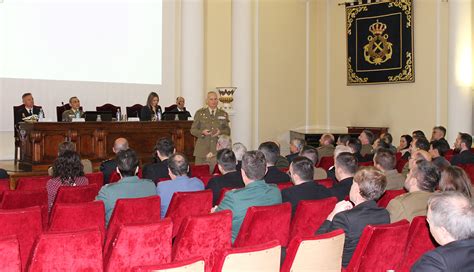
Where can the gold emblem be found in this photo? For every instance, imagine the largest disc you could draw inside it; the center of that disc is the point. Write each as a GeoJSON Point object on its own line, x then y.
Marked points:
{"type": "Point", "coordinates": [379, 49]}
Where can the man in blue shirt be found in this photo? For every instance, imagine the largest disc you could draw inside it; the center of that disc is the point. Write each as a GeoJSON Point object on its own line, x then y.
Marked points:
{"type": "Point", "coordinates": [178, 168]}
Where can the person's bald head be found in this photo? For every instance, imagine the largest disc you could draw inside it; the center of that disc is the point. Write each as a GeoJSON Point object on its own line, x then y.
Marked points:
{"type": "Point", "coordinates": [211, 100]}
{"type": "Point", "coordinates": [180, 102]}
{"type": "Point", "coordinates": [120, 144]}
{"type": "Point", "coordinates": [327, 139]}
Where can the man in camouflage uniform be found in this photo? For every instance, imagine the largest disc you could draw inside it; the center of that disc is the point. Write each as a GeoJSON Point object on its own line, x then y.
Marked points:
{"type": "Point", "coordinates": [209, 123]}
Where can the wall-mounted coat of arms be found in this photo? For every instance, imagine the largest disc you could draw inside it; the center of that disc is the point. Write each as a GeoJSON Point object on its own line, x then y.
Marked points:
{"type": "Point", "coordinates": [380, 42]}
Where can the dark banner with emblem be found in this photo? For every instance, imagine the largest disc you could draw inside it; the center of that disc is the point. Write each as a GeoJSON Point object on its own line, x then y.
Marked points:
{"type": "Point", "coordinates": [380, 42]}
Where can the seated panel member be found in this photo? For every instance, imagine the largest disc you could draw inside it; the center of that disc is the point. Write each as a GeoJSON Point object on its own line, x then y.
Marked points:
{"type": "Point", "coordinates": [151, 110]}
{"type": "Point", "coordinates": [75, 110]}
{"type": "Point", "coordinates": [179, 107]}
{"type": "Point", "coordinates": [28, 108]}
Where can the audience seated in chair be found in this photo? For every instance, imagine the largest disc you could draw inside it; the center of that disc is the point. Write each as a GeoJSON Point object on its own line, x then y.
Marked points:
{"type": "Point", "coordinates": [223, 141]}
{"type": "Point", "coordinates": [109, 166]}
{"type": "Point", "coordinates": [178, 168]}
{"type": "Point", "coordinates": [346, 166]}
{"type": "Point", "coordinates": [385, 141]}
{"type": "Point", "coordinates": [326, 146]}
{"type": "Point", "coordinates": [356, 146]}
{"type": "Point", "coordinates": [417, 145]}
{"type": "Point", "coordinates": [255, 193]}
{"type": "Point", "coordinates": [451, 219]}
{"type": "Point", "coordinates": [439, 134]}
{"type": "Point", "coordinates": [67, 171]}
{"type": "Point", "coordinates": [159, 170]}
{"type": "Point", "coordinates": [367, 139]}
{"type": "Point", "coordinates": [437, 150]}
{"type": "Point", "coordinates": [231, 178]}
{"type": "Point", "coordinates": [296, 145]}
{"type": "Point", "coordinates": [331, 172]}
{"type": "Point", "coordinates": [64, 146]}
{"type": "Point", "coordinates": [404, 146]}
{"type": "Point", "coordinates": [463, 146]}
{"type": "Point", "coordinates": [454, 178]}
{"type": "Point", "coordinates": [271, 152]}
{"type": "Point", "coordinates": [369, 184]}
{"type": "Point", "coordinates": [302, 172]}
{"type": "Point", "coordinates": [312, 154]}
{"type": "Point", "coordinates": [421, 182]}
{"type": "Point", "coordinates": [129, 185]}
{"type": "Point", "coordinates": [385, 161]}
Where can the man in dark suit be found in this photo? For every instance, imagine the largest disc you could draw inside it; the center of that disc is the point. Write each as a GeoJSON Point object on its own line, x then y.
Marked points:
{"type": "Point", "coordinates": [179, 108]}
{"type": "Point", "coordinates": [302, 172]}
{"type": "Point", "coordinates": [231, 178]}
{"type": "Point", "coordinates": [155, 171]}
{"type": "Point", "coordinates": [463, 146]}
{"type": "Point", "coordinates": [356, 145]}
{"type": "Point", "coordinates": [451, 219]}
{"type": "Point", "coordinates": [369, 184]}
{"type": "Point", "coordinates": [345, 167]}
{"type": "Point", "coordinates": [28, 108]}
{"type": "Point", "coordinates": [109, 166]}
{"type": "Point", "coordinates": [438, 134]}
{"type": "Point", "coordinates": [271, 152]}
{"type": "Point", "coordinates": [296, 145]}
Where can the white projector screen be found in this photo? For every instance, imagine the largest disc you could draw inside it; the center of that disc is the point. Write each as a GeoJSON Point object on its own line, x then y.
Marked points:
{"type": "Point", "coordinates": [82, 40]}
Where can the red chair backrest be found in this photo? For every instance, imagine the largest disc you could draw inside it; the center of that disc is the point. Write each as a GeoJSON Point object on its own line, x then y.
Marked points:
{"type": "Point", "coordinates": [32, 183]}
{"type": "Point", "coordinates": [4, 185]}
{"type": "Point", "coordinates": [26, 224]}
{"type": "Point", "coordinates": [10, 252]}
{"type": "Point", "coordinates": [328, 183]}
{"type": "Point", "coordinates": [23, 199]}
{"type": "Point", "coordinates": [398, 156]}
{"type": "Point", "coordinates": [400, 164]}
{"type": "Point", "coordinates": [388, 196]}
{"type": "Point", "coordinates": [96, 178]}
{"type": "Point", "coordinates": [380, 247]}
{"type": "Point", "coordinates": [419, 241]}
{"type": "Point", "coordinates": [222, 194]}
{"type": "Point", "coordinates": [205, 236]}
{"type": "Point", "coordinates": [140, 244]}
{"type": "Point", "coordinates": [107, 107]}
{"type": "Point", "coordinates": [188, 204]}
{"type": "Point", "coordinates": [367, 163]}
{"type": "Point", "coordinates": [145, 210]}
{"type": "Point", "coordinates": [216, 170]}
{"type": "Point", "coordinates": [326, 162]}
{"type": "Point", "coordinates": [205, 179]}
{"type": "Point", "coordinates": [284, 185]}
{"type": "Point", "coordinates": [264, 224]}
{"type": "Point", "coordinates": [173, 266]}
{"type": "Point", "coordinates": [68, 251]}
{"type": "Point", "coordinates": [76, 194]}
{"type": "Point", "coordinates": [199, 170]}
{"type": "Point", "coordinates": [114, 177]}
{"type": "Point", "coordinates": [449, 152]}
{"type": "Point", "coordinates": [469, 169]}
{"type": "Point", "coordinates": [310, 215]}
{"type": "Point", "coordinates": [78, 216]}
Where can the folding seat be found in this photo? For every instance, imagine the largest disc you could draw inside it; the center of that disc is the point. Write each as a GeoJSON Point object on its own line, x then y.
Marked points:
{"type": "Point", "coordinates": [389, 195]}
{"type": "Point", "coordinates": [77, 194]}
{"type": "Point", "coordinates": [68, 251]}
{"type": "Point", "coordinates": [78, 216]}
{"type": "Point", "coordinates": [185, 204]}
{"type": "Point", "coordinates": [319, 253]}
{"type": "Point", "coordinates": [145, 210]}
{"type": "Point", "coordinates": [26, 224]}
{"type": "Point", "coordinates": [194, 265]}
{"type": "Point", "coordinates": [264, 224]}
{"type": "Point", "coordinates": [23, 199]}
{"type": "Point", "coordinates": [262, 258]}
{"type": "Point", "coordinates": [140, 244]}
{"type": "Point", "coordinates": [326, 163]}
{"type": "Point", "coordinates": [96, 178]}
{"type": "Point", "coordinates": [328, 183]}
{"type": "Point", "coordinates": [380, 246]}
{"type": "Point", "coordinates": [418, 243]}
{"type": "Point", "coordinates": [199, 170]}
{"type": "Point", "coordinates": [284, 185]}
{"type": "Point", "coordinates": [310, 215]}
{"type": "Point", "coordinates": [10, 252]}
{"type": "Point", "coordinates": [32, 183]}
{"type": "Point", "coordinates": [203, 236]}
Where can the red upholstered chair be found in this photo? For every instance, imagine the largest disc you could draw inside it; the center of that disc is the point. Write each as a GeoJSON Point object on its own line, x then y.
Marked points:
{"type": "Point", "coordinates": [320, 253]}
{"type": "Point", "coordinates": [68, 251]}
{"type": "Point", "coordinates": [284, 185]}
{"type": "Point", "coordinates": [328, 183]}
{"type": "Point", "coordinates": [125, 212]}
{"type": "Point", "coordinates": [469, 169]}
{"type": "Point", "coordinates": [310, 215]}
{"type": "Point", "coordinates": [116, 177]}
{"type": "Point", "coordinates": [32, 183]}
{"type": "Point", "coordinates": [78, 216]}
{"type": "Point", "coordinates": [199, 170]}
{"type": "Point", "coordinates": [326, 163]}
{"type": "Point", "coordinates": [134, 111]}
{"type": "Point", "coordinates": [10, 252]}
{"type": "Point", "coordinates": [400, 164]}
{"type": "Point", "coordinates": [449, 152]}
{"type": "Point", "coordinates": [216, 170]}
{"type": "Point", "coordinates": [205, 179]}
{"type": "Point", "coordinates": [398, 156]}
{"type": "Point", "coordinates": [262, 257]}
{"type": "Point", "coordinates": [76, 194]}
{"type": "Point", "coordinates": [185, 204]}
{"type": "Point", "coordinates": [418, 243]}
{"type": "Point", "coordinates": [194, 265]}
{"type": "Point", "coordinates": [4, 185]}
{"type": "Point", "coordinates": [96, 178]}
{"type": "Point", "coordinates": [380, 246]}
{"type": "Point", "coordinates": [24, 199]}
{"type": "Point", "coordinates": [107, 107]}
{"type": "Point", "coordinates": [368, 163]}
{"type": "Point", "coordinates": [140, 244]}
{"type": "Point", "coordinates": [389, 195]}
{"type": "Point", "coordinates": [222, 194]}
{"type": "Point", "coordinates": [203, 236]}
{"type": "Point", "coordinates": [26, 224]}
{"type": "Point", "coordinates": [264, 224]}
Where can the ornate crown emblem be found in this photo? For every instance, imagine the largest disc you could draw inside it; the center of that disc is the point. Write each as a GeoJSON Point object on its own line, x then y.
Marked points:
{"type": "Point", "coordinates": [377, 28]}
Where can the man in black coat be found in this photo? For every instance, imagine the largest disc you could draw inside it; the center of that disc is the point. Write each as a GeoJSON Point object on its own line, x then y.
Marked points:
{"type": "Point", "coordinates": [231, 178]}
{"type": "Point", "coordinates": [302, 172]}
{"type": "Point", "coordinates": [463, 146]}
{"type": "Point", "coordinates": [345, 166]}
{"type": "Point", "coordinates": [159, 170]}
{"type": "Point", "coordinates": [27, 109]}
{"type": "Point", "coordinates": [369, 184]}
{"type": "Point", "coordinates": [451, 219]}
{"type": "Point", "coordinates": [296, 145]}
{"type": "Point", "coordinates": [272, 152]}
{"type": "Point", "coordinates": [109, 166]}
